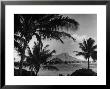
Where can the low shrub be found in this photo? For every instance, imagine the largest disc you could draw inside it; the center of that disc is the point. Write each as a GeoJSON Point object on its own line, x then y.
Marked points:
{"type": "Point", "coordinates": [24, 73]}
{"type": "Point", "coordinates": [61, 75]}
{"type": "Point", "coordinates": [84, 72]}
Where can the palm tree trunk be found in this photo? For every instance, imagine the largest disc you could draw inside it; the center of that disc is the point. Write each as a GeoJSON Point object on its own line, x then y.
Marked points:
{"type": "Point", "coordinates": [37, 69]}
{"type": "Point", "coordinates": [22, 58]}
{"type": "Point", "coordinates": [31, 72]}
{"type": "Point", "coordinates": [20, 69]}
{"type": "Point", "coordinates": [88, 63]}
{"type": "Point", "coordinates": [39, 56]}
{"type": "Point", "coordinates": [21, 64]}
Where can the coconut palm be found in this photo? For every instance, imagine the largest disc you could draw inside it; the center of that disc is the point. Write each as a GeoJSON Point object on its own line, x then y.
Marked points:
{"type": "Point", "coordinates": [38, 57]}
{"type": "Point", "coordinates": [43, 26]}
{"type": "Point", "coordinates": [88, 49]}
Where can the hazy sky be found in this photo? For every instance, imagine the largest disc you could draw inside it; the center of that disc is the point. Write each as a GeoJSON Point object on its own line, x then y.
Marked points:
{"type": "Point", "coordinates": [87, 28]}
{"type": "Point", "coordinates": [88, 24]}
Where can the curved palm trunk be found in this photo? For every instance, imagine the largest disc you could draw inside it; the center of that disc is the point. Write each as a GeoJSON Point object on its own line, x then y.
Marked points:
{"type": "Point", "coordinates": [22, 58]}
{"type": "Point", "coordinates": [37, 69]}
{"type": "Point", "coordinates": [37, 63]}
{"type": "Point", "coordinates": [20, 69]}
{"type": "Point", "coordinates": [21, 64]}
{"type": "Point", "coordinates": [39, 56]}
{"type": "Point", "coordinates": [40, 42]}
{"type": "Point", "coordinates": [31, 72]}
{"type": "Point", "coordinates": [88, 63]}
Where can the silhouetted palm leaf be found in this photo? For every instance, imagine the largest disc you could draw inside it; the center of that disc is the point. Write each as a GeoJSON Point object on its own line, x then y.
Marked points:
{"type": "Point", "coordinates": [42, 26]}
{"type": "Point", "coordinates": [38, 56]}
{"type": "Point", "coordinates": [88, 49]}
{"type": "Point", "coordinates": [46, 25]}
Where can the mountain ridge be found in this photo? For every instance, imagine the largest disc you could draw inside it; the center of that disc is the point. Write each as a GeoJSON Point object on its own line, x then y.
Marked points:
{"type": "Point", "coordinates": [65, 57]}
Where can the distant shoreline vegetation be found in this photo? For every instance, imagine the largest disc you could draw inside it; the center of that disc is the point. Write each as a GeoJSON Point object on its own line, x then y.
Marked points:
{"type": "Point", "coordinates": [57, 66]}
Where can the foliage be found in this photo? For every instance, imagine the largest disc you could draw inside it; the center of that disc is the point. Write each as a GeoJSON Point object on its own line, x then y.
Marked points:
{"type": "Point", "coordinates": [61, 75]}
{"type": "Point", "coordinates": [17, 64]}
{"type": "Point", "coordinates": [43, 26]}
{"type": "Point", "coordinates": [24, 72]}
{"type": "Point", "coordinates": [84, 72]}
{"type": "Point", "coordinates": [88, 49]}
{"type": "Point", "coordinates": [38, 56]}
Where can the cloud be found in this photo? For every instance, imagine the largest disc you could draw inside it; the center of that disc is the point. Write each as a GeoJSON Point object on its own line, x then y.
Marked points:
{"type": "Point", "coordinates": [79, 38]}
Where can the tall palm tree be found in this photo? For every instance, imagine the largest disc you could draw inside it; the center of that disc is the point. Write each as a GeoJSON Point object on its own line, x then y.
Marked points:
{"type": "Point", "coordinates": [88, 49]}
{"type": "Point", "coordinates": [43, 26]}
{"type": "Point", "coordinates": [38, 57]}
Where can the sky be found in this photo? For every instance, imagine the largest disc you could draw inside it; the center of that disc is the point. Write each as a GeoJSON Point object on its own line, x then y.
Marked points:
{"type": "Point", "coordinates": [88, 24]}
{"type": "Point", "coordinates": [87, 28]}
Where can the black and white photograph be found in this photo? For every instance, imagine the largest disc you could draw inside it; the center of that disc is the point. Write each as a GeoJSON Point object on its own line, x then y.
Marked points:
{"type": "Point", "coordinates": [58, 44]}
{"type": "Point", "coordinates": [55, 45]}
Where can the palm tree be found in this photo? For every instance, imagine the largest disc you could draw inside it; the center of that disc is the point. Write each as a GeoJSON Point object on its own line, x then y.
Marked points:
{"type": "Point", "coordinates": [88, 49]}
{"type": "Point", "coordinates": [38, 57]}
{"type": "Point", "coordinates": [43, 26]}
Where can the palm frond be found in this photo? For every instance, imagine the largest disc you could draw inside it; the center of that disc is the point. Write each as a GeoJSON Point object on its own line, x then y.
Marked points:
{"type": "Point", "coordinates": [58, 21]}
{"type": "Point", "coordinates": [18, 47]}
{"type": "Point", "coordinates": [16, 64]}
{"type": "Point", "coordinates": [29, 51]}
{"type": "Point", "coordinates": [94, 47]}
{"type": "Point", "coordinates": [45, 47]}
{"type": "Point", "coordinates": [82, 46]}
{"type": "Point", "coordinates": [88, 49]}
{"type": "Point", "coordinates": [80, 53]}
{"type": "Point", "coordinates": [90, 43]}
{"type": "Point", "coordinates": [94, 55]}
{"type": "Point", "coordinates": [19, 38]}
{"type": "Point", "coordinates": [54, 35]}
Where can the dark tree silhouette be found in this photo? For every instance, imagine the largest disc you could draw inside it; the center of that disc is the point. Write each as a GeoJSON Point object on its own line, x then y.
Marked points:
{"type": "Point", "coordinates": [88, 49]}
{"type": "Point", "coordinates": [43, 26]}
{"type": "Point", "coordinates": [38, 57]}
